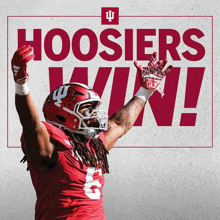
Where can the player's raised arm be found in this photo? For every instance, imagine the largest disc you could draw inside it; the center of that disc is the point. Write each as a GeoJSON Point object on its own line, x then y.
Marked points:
{"type": "Point", "coordinates": [36, 137]}
{"type": "Point", "coordinates": [122, 120]}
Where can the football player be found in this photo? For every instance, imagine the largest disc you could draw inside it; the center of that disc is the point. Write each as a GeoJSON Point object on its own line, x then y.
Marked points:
{"type": "Point", "coordinates": [66, 154]}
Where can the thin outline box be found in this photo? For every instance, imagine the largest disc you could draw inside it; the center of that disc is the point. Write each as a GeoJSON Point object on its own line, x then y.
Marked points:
{"type": "Point", "coordinates": [126, 16]}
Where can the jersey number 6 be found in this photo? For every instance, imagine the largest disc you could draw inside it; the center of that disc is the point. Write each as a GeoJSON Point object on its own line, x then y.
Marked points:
{"type": "Point", "coordinates": [91, 183]}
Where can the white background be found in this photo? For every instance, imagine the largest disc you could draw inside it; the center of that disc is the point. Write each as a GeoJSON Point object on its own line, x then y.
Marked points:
{"type": "Point", "coordinates": [143, 183]}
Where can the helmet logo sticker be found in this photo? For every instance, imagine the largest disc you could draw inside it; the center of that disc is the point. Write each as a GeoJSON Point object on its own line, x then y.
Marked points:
{"type": "Point", "coordinates": [60, 93]}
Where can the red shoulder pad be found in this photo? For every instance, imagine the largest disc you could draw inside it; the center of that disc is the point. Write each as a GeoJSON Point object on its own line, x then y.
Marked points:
{"type": "Point", "coordinates": [59, 136]}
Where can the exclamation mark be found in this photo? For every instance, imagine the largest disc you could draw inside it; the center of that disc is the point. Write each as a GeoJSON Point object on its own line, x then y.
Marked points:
{"type": "Point", "coordinates": [193, 85]}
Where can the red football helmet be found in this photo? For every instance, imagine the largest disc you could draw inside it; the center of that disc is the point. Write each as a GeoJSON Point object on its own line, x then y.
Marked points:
{"type": "Point", "coordinates": [61, 108]}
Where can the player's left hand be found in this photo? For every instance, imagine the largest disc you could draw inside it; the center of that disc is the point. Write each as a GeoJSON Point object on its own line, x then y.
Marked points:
{"type": "Point", "coordinates": [152, 75]}
{"type": "Point", "coordinates": [19, 64]}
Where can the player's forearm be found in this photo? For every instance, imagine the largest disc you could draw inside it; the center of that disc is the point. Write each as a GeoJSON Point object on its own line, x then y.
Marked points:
{"type": "Point", "coordinates": [127, 115]}
{"type": "Point", "coordinates": [27, 110]}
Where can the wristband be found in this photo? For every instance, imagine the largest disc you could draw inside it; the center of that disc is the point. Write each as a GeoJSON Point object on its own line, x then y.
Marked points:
{"type": "Point", "coordinates": [144, 94]}
{"type": "Point", "coordinates": [21, 89]}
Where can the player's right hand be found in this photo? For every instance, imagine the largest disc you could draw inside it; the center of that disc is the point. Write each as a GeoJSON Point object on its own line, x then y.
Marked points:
{"type": "Point", "coordinates": [19, 64]}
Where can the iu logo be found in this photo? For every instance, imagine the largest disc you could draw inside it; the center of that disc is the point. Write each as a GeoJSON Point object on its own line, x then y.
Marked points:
{"type": "Point", "coordinates": [60, 93]}
{"type": "Point", "coordinates": [110, 16]}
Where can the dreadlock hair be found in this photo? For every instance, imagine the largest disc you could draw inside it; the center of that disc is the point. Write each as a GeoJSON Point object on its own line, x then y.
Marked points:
{"type": "Point", "coordinates": [96, 156]}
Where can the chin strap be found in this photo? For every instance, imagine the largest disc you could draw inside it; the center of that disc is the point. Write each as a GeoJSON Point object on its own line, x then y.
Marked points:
{"type": "Point", "coordinates": [88, 133]}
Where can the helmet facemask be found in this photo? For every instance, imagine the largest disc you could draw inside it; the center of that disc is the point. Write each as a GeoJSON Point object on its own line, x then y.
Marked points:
{"type": "Point", "coordinates": [90, 123]}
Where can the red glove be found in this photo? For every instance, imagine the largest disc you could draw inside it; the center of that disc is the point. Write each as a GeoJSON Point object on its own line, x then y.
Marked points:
{"type": "Point", "coordinates": [152, 75]}
{"type": "Point", "coordinates": [19, 64]}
